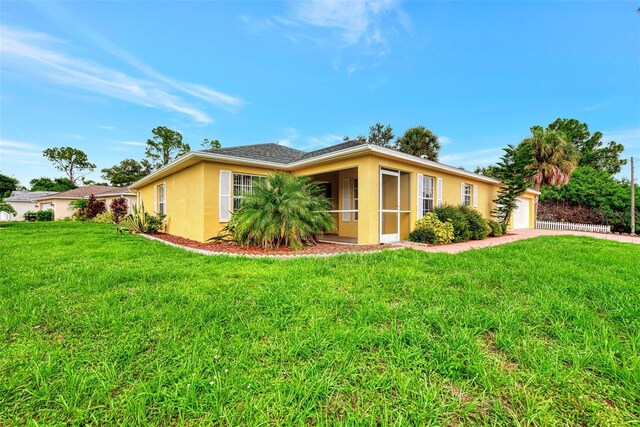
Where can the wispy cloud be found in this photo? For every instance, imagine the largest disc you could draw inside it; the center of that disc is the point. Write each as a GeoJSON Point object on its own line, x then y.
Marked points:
{"type": "Point", "coordinates": [12, 151]}
{"type": "Point", "coordinates": [134, 143]}
{"type": "Point", "coordinates": [596, 106]}
{"type": "Point", "coordinates": [365, 25]}
{"type": "Point", "coordinates": [470, 159]}
{"type": "Point", "coordinates": [50, 58]}
{"type": "Point", "coordinates": [294, 139]}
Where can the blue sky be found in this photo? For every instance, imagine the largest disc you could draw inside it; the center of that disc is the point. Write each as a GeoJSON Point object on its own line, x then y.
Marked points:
{"type": "Point", "coordinates": [100, 75]}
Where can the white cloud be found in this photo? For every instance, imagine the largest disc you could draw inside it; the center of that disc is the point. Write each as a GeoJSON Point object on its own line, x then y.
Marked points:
{"type": "Point", "coordinates": [48, 58]}
{"type": "Point", "coordinates": [294, 139]}
{"type": "Point", "coordinates": [471, 159]}
{"type": "Point", "coordinates": [17, 144]}
{"type": "Point", "coordinates": [335, 25]}
{"type": "Point", "coordinates": [134, 143]}
{"type": "Point", "coordinates": [627, 137]}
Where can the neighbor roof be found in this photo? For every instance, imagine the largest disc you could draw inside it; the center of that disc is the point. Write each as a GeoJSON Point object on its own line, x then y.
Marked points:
{"type": "Point", "coordinates": [96, 190]}
{"type": "Point", "coordinates": [27, 196]}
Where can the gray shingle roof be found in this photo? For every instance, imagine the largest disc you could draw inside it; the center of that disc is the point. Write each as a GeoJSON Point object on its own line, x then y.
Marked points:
{"type": "Point", "coordinates": [277, 153]}
{"type": "Point", "coordinates": [27, 196]}
{"type": "Point", "coordinates": [270, 152]}
{"type": "Point", "coordinates": [96, 190]}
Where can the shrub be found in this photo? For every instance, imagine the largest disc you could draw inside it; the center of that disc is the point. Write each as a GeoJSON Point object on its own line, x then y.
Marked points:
{"type": "Point", "coordinates": [461, 232]}
{"type": "Point", "coordinates": [46, 215]}
{"type": "Point", "coordinates": [79, 206]}
{"type": "Point", "coordinates": [140, 221]}
{"type": "Point", "coordinates": [119, 208]}
{"type": "Point", "coordinates": [478, 226]}
{"type": "Point", "coordinates": [104, 218]}
{"type": "Point", "coordinates": [95, 207]}
{"type": "Point", "coordinates": [430, 229]}
{"type": "Point", "coordinates": [282, 210]}
{"type": "Point", "coordinates": [30, 216]}
{"type": "Point", "coordinates": [6, 207]}
{"type": "Point", "coordinates": [496, 228]}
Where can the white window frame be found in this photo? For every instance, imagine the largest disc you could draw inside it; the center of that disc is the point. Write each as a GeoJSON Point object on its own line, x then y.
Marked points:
{"type": "Point", "coordinates": [162, 201]}
{"type": "Point", "coordinates": [425, 183]}
{"type": "Point", "coordinates": [475, 196]}
{"type": "Point", "coordinates": [439, 192]}
{"type": "Point", "coordinates": [243, 187]}
{"type": "Point", "coordinates": [355, 199]}
{"type": "Point", "coordinates": [346, 200]}
{"type": "Point", "coordinates": [466, 194]}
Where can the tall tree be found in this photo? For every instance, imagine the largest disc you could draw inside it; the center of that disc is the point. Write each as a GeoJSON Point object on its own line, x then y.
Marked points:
{"type": "Point", "coordinates": [211, 144]}
{"type": "Point", "coordinates": [381, 135]}
{"type": "Point", "coordinates": [69, 160]}
{"type": "Point", "coordinates": [420, 141]}
{"type": "Point", "coordinates": [514, 170]}
{"type": "Point", "coordinates": [491, 171]}
{"type": "Point", "coordinates": [7, 185]}
{"type": "Point", "coordinates": [48, 184]}
{"type": "Point", "coordinates": [554, 157]}
{"type": "Point", "coordinates": [165, 146]}
{"type": "Point", "coordinates": [593, 153]}
{"type": "Point", "coordinates": [127, 172]}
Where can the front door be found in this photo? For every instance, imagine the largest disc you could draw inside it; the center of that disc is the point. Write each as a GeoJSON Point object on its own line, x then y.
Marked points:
{"type": "Point", "coordinates": [389, 206]}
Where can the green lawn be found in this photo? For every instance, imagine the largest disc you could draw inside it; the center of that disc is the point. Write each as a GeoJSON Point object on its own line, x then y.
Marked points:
{"type": "Point", "coordinates": [106, 329]}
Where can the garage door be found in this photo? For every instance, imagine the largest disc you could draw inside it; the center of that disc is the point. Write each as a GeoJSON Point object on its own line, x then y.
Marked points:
{"type": "Point", "coordinates": [521, 214]}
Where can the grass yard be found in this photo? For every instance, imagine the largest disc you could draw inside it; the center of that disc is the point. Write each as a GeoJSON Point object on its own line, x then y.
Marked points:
{"type": "Point", "coordinates": [105, 329]}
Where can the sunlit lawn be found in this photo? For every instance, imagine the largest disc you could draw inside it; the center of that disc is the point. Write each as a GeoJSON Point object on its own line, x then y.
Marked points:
{"type": "Point", "coordinates": [106, 329]}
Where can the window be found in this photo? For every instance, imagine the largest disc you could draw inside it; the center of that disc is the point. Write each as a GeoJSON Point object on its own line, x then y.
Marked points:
{"type": "Point", "coordinates": [355, 199]}
{"type": "Point", "coordinates": [242, 185]}
{"type": "Point", "coordinates": [162, 201]}
{"type": "Point", "coordinates": [426, 195]}
{"type": "Point", "coordinates": [466, 194]}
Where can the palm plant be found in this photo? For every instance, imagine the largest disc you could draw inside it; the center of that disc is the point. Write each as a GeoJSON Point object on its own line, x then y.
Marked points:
{"type": "Point", "coordinates": [79, 206]}
{"type": "Point", "coordinates": [555, 157]}
{"type": "Point", "coordinates": [282, 210]}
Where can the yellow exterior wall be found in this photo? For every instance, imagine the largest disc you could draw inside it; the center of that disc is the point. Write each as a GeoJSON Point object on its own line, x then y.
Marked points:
{"type": "Point", "coordinates": [193, 194]}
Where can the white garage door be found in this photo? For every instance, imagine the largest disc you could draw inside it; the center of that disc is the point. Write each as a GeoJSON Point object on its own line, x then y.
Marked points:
{"type": "Point", "coordinates": [521, 214]}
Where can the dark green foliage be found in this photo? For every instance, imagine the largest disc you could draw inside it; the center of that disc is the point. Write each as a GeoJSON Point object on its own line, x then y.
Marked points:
{"type": "Point", "coordinates": [48, 184]}
{"type": "Point", "coordinates": [95, 207]}
{"type": "Point", "coordinates": [514, 171]}
{"type": "Point", "coordinates": [211, 144]}
{"type": "Point", "coordinates": [478, 227]}
{"type": "Point", "coordinates": [590, 145]}
{"type": "Point", "coordinates": [69, 160]}
{"type": "Point", "coordinates": [165, 146]}
{"type": "Point", "coordinates": [7, 185]}
{"type": "Point", "coordinates": [422, 235]}
{"type": "Point", "coordinates": [282, 210]}
{"type": "Point", "coordinates": [119, 208]}
{"type": "Point", "coordinates": [599, 190]}
{"type": "Point", "coordinates": [127, 172]}
{"type": "Point", "coordinates": [46, 215]}
{"type": "Point", "coordinates": [491, 171]}
{"type": "Point", "coordinates": [379, 134]}
{"type": "Point", "coordinates": [419, 141]}
{"type": "Point", "coordinates": [141, 221]}
{"type": "Point", "coordinates": [6, 207]}
{"type": "Point", "coordinates": [496, 228]}
{"type": "Point", "coordinates": [461, 231]}
{"type": "Point", "coordinates": [554, 157]}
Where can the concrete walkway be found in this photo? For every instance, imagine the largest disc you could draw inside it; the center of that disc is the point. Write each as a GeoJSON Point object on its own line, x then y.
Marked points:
{"type": "Point", "coordinates": [514, 236]}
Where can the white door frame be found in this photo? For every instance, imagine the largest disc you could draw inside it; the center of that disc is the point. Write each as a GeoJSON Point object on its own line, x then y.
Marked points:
{"type": "Point", "coordinates": [390, 238]}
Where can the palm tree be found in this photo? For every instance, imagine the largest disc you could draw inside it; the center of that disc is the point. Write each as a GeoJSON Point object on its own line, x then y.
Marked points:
{"type": "Point", "coordinates": [555, 157]}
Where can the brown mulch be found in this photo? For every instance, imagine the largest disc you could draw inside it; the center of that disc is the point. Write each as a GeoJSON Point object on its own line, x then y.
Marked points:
{"type": "Point", "coordinates": [233, 248]}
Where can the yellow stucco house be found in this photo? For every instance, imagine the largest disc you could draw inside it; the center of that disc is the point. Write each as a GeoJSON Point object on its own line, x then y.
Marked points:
{"type": "Point", "coordinates": [378, 193]}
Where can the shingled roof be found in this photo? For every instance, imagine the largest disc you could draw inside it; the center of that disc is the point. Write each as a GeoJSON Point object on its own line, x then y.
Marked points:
{"type": "Point", "coordinates": [277, 153]}
{"type": "Point", "coordinates": [270, 152]}
{"type": "Point", "coordinates": [27, 196]}
{"type": "Point", "coordinates": [96, 190]}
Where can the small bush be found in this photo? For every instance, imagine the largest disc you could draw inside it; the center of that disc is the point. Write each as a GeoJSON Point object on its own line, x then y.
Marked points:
{"type": "Point", "coordinates": [430, 229]}
{"type": "Point", "coordinates": [155, 223]}
{"type": "Point", "coordinates": [46, 215]}
{"type": "Point", "coordinates": [140, 221]}
{"type": "Point", "coordinates": [478, 226]}
{"type": "Point", "coordinates": [119, 208]}
{"type": "Point", "coordinates": [104, 218]}
{"type": "Point", "coordinates": [461, 232]}
{"type": "Point", "coordinates": [496, 228]}
{"type": "Point", "coordinates": [6, 207]}
{"type": "Point", "coordinates": [95, 207]}
{"type": "Point", "coordinates": [80, 207]}
{"type": "Point", "coordinates": [30, 216]}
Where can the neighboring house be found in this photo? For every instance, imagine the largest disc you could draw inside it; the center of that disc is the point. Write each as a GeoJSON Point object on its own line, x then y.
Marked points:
{"type": "Point", "coordinates": [22, 202]}
{"type": "Point", "coordinates": [377, 193]}
{"type": "Point", "coordinates": [59, 202]}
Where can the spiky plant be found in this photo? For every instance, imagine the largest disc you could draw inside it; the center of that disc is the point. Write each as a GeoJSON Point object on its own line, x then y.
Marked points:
{"type": "Point", "coordinates": [282, 210]}
{"type": "Point", "coordinates": [555, 157]}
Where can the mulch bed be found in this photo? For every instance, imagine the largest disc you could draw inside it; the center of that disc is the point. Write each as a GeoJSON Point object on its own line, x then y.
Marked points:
{"type": "Point", "coordinates": [233, 248]}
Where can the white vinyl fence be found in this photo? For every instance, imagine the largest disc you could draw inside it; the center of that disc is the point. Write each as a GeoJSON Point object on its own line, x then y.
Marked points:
{"type": "Point", "coordinates": [555, 225]}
